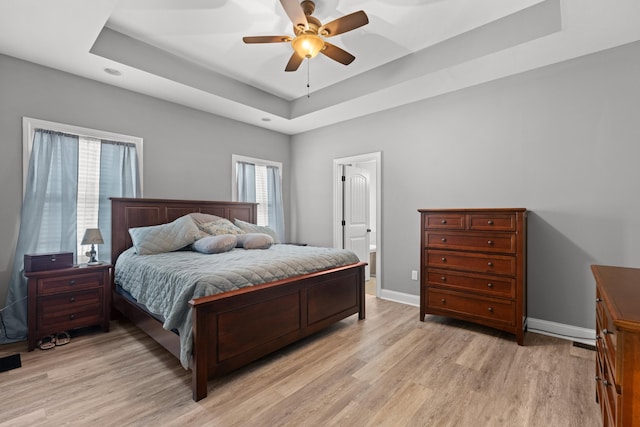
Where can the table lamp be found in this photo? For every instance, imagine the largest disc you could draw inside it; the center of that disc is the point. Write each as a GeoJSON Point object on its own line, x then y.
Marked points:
{"type": "Point", "coordinates": [92, 237]}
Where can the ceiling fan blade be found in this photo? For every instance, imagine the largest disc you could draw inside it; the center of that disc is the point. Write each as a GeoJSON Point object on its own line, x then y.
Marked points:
{"type": "Point", "coordinates": [346, 23]}
{"type": "Point", "coordinates": [294, 62]}
{"type": "Point", "coordinates": [295, 13]}
{"type": "Point", "coordinates": [337, 54]}
{"type": "Point", "coordinates": [267, 39]}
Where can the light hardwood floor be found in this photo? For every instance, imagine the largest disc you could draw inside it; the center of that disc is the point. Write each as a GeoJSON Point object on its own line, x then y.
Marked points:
{"type": "Point", "coordinates": [387, 370]}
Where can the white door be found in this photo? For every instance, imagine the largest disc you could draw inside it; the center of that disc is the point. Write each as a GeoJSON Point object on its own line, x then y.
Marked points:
{"type": "Point", "coordinates": [356, 213]}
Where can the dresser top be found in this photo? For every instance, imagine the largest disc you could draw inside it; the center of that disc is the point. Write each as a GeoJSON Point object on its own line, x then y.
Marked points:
{"type": "Point", "coordinates": [620, 288]}
{"type": "Point", "coordinates": [471, 210]}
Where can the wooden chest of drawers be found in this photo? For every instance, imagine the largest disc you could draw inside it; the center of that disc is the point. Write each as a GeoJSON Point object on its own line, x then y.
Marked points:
{"type": "Point", "coordinates": [618, 344]}
{"type": "Point", "coordinates": [64, 299]}
{"type": "Point", "coordinates": [474, 266]}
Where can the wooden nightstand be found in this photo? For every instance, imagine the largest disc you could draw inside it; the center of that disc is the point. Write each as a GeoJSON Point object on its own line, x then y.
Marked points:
{"type": "Point", "coordinates": [68, 298]}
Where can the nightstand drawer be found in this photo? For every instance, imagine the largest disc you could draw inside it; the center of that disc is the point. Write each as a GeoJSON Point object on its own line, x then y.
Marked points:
{"type": "Point", "coordinates": [53, 285]}
{"type": "Point", "coordinates": [69, 310]}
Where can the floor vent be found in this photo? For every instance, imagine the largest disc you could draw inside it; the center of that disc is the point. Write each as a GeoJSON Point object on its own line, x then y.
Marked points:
{"type": "Point", "coordinates": [587, 346]}
{"type": "Point", "coordinates": [10, 362]}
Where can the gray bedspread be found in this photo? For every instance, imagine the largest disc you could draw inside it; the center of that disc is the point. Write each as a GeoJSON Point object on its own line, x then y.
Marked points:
{"type": "Point", "coordinates": [166, 282]}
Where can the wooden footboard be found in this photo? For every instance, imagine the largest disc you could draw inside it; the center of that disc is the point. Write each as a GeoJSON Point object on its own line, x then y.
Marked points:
{"type": "Point", "coordinates": [235, 328]}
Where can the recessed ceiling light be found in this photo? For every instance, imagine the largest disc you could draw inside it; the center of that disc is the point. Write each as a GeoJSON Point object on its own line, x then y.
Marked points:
{"type": "Point", "coordinates": [112, 71]}
{"type": "Point", "coordinates": [265, 119]}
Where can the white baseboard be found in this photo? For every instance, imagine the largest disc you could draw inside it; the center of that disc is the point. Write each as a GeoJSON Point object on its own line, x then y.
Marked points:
{"type": "Point", "coordinates": [545, 327]}
{"type": "Point", "coordinates": [400, 297]}
{"type": "Point", "coordinates": [560, 330]}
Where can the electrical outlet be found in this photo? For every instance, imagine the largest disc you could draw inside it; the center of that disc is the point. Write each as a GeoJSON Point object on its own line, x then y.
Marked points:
{"type": "Point", "coordinates": [414, 274]}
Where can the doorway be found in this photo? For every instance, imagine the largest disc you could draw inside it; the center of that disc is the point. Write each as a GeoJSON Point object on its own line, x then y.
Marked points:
{"type": "Point", "coordinates": [369, 166]}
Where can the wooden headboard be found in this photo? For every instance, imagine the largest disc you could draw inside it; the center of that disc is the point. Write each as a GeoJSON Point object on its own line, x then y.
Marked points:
{"type": "Point", "coordinates": [128, 213]}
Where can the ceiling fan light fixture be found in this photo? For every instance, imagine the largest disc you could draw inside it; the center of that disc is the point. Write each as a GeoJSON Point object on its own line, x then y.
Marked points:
{"type": "Point", "coordinates": [307, 45]}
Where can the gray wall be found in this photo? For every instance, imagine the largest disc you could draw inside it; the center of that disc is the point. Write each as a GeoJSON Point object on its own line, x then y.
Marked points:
{"type": "Point", "coordinates": [563, 141]}
{"type": "Point", "coordinates": [187, 153]}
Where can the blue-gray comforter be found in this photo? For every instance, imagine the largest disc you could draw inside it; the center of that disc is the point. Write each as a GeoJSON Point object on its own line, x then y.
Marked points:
{"type": "Point", "coordinates": [166, 282]}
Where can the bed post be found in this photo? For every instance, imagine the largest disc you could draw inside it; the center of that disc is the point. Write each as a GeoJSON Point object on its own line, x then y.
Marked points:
{"type": "Point", "coordinates": [361, 293]}
{"type": "Point", "coordinates": [199, 371]}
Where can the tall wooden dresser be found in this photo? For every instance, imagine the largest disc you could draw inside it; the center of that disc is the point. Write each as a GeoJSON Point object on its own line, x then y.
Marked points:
{"type": "Point", "coordinates": [618, 344]}
{"type": "Point", "coordinates": [474, 266]}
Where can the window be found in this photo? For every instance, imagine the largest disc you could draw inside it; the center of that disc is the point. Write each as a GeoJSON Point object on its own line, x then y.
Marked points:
{"type": "Point", "coordinates": [260, 181]}
{"type": "Point", "coordinates": [99, 163]}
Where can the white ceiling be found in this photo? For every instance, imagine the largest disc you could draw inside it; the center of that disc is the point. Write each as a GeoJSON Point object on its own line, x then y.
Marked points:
{"type": "Point", "coordinates": [191, 51]}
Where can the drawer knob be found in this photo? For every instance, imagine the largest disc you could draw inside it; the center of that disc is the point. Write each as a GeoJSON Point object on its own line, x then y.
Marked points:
{"type": "Point", "coordinates": [444, 301]}
{"type": "Point", "coordinates": [489, 242]}
{"type": "Point", "coordinates": [443, 278]}
{"type": "Point", "coordinates": [444, 221]}
{"type": "Point", "coordinates": [598, 299]}
{"type": "Point", "coordinates": [606, 383]}
{"type": "Point", "coordinates": [443, 240]}
{"type": "Point", "coordinates": [490, 222]}
{"type": "Point", "coordinates": [490, 309]}
{"type": "Point", "coordinates": [72, 282]}
{"type": "Point", "coordinates": [490, 264]}
{"type": "Point", "coordinates": [490, 285]}
{"type": "Point", "coordinates": [606, 331]}
{"type": "Point", "coordinates": [72, 316]}
{"type": "Point", "coordinates": [598, 337]}
{"type": "Point", "coordinates": [444, 259]}
{"type": "Point", "coordinates": [598, 378]}
{"type": "Point", "coordinates": [72, 299]}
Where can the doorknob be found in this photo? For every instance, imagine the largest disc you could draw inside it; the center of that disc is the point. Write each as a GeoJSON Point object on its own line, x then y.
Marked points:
{"type": "Point", "coordinates": [368, 230]}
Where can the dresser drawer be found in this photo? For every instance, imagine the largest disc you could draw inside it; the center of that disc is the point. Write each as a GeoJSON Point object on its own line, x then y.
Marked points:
{"type": "Point", "coordinates": [70, 310]}
{"type": "Point", "coordinates": [481, 263]}
{"type": "Point", "coordinates": [51, 285]}
{"type": "Point", "coordinates": [491, 309]}
{"type": "Point", "coordinates": [492, 221]}
{"type": "Point", "coordinates": [488, 285]}
{"type": "Point", "coordinates": [450, 221]}
{"type": "Point", "coordinates": [486, 242]}
{"type": "Point", "coordinates": [607, 395]}
{"type": "Point", "coordinates": [607, 327]}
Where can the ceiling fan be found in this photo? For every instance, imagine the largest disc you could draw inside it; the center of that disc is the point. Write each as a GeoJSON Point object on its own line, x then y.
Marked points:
{"type": "Point", "coordinates": [310, 34]}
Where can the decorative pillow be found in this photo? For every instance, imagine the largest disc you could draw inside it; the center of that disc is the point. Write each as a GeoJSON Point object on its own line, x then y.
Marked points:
{"type": "Point", "coordinates": [247, 227]}
{"type": "Point", "coordinates": [220, 226]}
{"type": "Point", "coordinates": [215, 244]}
{"type": "Point", "coordinates": [254, 241]}
{"type": "Point", "coordinates": [157, 239]}
{"type": "Point", "coordinates": [203, 218]}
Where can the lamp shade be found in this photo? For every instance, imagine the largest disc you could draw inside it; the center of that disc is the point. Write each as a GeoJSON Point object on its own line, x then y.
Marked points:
{"type": "Point", "coordinates": [92, 236]}
{"type": "Point", "coordinates": [307, 45]}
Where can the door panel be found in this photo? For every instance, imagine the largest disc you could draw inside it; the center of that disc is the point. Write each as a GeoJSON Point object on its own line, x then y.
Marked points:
{"type": "Point", "coordinates": [356, 213]}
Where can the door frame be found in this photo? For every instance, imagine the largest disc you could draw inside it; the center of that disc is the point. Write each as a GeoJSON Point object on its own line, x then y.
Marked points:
{"type": "Point", "coordinates": [338, 201]}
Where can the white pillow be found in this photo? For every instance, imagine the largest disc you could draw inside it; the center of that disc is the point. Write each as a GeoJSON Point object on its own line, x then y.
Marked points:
{"type": "Point", "coordinates": [219, 227]}
{"type": "Point", "coordinates": [254, 241]}
{"type": "Point", "coordinates": [157, 239]}
{"type": "Point", "coordinates": [215, 244]}
{"type": "Point", "coordinates": [247, 227]}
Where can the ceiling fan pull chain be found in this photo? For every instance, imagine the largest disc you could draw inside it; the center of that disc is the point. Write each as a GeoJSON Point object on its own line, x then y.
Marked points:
{"type": "Point", "coordinates": [308, 67]}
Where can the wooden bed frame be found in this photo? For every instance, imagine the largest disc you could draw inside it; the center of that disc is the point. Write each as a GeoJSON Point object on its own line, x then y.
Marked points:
{"type": "Point", "coordinates": [235, 328]}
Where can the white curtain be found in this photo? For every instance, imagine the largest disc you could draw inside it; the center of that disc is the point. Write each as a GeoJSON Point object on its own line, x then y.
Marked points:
{"type": "Point", "coordinates": [48, 218]}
